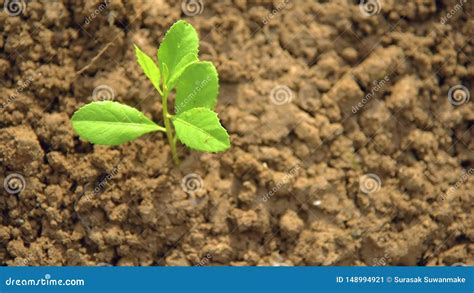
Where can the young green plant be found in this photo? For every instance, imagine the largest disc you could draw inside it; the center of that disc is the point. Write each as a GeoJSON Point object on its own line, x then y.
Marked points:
{"type": "Point", "coordinates": [196, 84]}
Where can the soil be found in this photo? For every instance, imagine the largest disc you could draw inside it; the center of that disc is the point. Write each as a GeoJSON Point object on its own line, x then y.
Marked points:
{"type": "Point", "coordinates": [319, 173]}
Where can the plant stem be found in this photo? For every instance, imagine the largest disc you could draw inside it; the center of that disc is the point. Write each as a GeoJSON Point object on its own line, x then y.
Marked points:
{"type": "Point", "coordinates": [160, 128]}
{"type": "Point", "coordinates": [169, 131]}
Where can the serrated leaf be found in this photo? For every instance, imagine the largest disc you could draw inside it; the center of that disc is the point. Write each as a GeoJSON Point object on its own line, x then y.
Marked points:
{"type": "Point", "coordinates": [200, 129]}
{"type": "Point", "coordinates": [149, 67]}
{"type": "Point", "coordinates": [178, 49]}
{"type": "Point", "coordinates": [111, 123]}
{"type": "Point", "coordinates": [198, 86]}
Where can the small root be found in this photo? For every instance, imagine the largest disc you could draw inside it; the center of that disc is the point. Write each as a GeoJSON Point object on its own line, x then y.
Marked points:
{"type": "Point", "coordinates": [95, 58]}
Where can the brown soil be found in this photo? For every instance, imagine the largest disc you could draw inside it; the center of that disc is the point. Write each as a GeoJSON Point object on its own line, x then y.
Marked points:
{"type": "Point", "coordinates": [288, 192]}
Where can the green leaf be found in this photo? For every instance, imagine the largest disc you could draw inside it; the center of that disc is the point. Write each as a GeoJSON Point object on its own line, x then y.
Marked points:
{"type": "Point", "coordinates": [198, 86]}
{"type": "Point", "coordinates": [178, 49]}
{"type": "Point", "coordinates": [165, 72]}
{"type": "Point", "coordinates": [200, 129]}
{"type": "Point", "coordinates": [187, 60]}
{"type": "Point", "coordinates": [149, 67]}
{"type": "Point", "coordinates": [111, 123]}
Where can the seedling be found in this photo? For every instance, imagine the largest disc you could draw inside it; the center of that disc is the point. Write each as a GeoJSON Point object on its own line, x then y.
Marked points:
{"type": "Point", "coordinates": [196, 83]}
